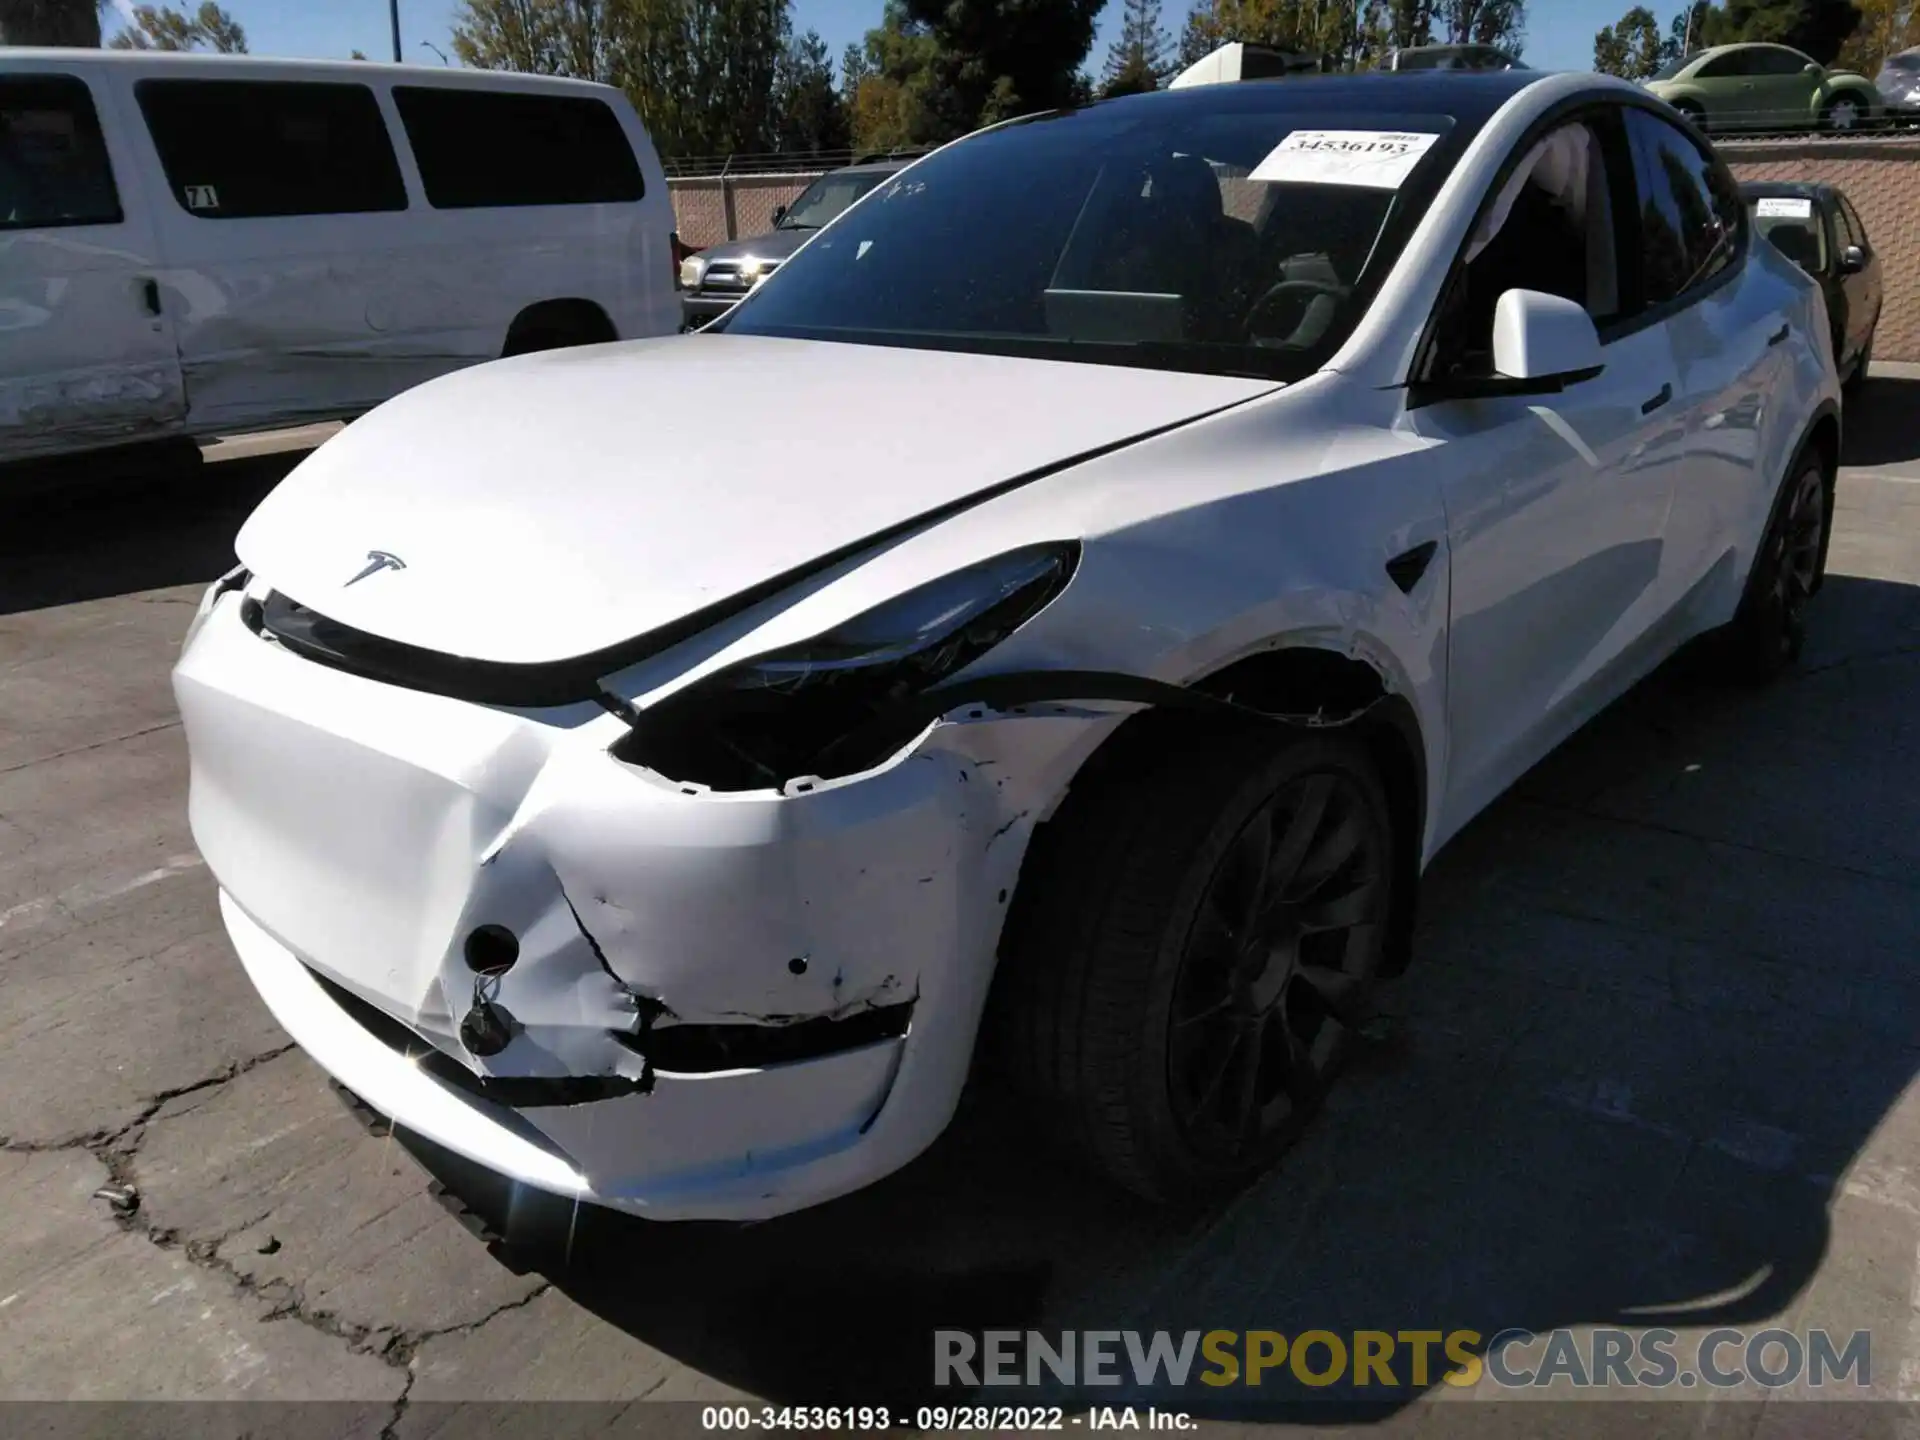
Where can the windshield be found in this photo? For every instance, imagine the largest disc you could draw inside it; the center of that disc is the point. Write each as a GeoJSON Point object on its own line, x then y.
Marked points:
{"type": "Point", "coordinates": [1793, 225]}
{"type": "Point", "coordinates": [1906, 63]}
{"type": "Point", "coordinates": [1220, 234]}
{"type": "Point", "coordinates": [1674, 67]}
{"type": "Point", "coordinates": [828, 196]}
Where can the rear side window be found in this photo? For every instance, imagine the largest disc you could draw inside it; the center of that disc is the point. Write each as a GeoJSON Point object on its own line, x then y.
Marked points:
{"type": "Point", "coordinates": [1691, 215]}
{"type": "Point", "coordinates": [53, 163]}
{"type": "Point", "coordinates": [478, 148]}
{"type": "Point", "coordinates": [1855, 226]}
{"type": "Point", "coordinates": [246, 149]}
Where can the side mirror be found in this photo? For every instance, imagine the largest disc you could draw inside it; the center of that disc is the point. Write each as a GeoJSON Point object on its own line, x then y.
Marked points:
{"type": "Point", "coordinates": [1544, 341]}
{"type": "Point", "coordinates": [1811, 69]}
{"type": "Point", "coordinates": [779, 213]}
{"type": "Point", "coordinates": [1852, 260]}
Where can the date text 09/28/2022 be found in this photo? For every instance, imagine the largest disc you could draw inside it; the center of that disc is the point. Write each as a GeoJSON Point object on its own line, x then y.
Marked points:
{"type": "Point", "coordinates": [938, 1417]}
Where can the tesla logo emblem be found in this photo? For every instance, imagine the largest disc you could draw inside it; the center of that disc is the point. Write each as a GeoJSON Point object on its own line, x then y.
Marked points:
{"type": "Point", "coordinates": [377, 560]}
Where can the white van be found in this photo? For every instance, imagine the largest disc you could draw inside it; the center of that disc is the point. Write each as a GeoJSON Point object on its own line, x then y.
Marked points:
{"type": "Point", "coordinates": [196, 244]}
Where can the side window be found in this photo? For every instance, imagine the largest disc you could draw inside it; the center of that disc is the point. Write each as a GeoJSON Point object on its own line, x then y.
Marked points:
{"type": "Point", "coordinates": [1723, 67]}
{"type": "Point", "coordinates": [502, 147]}
{"type": "Point", "coordinates": [1552, 227]}
{"type": "Point", "coordinates": [246, 149]}
{"type": "Point", "coordinates": [1690, 215]}
{"type": "Point", "coordinates": [1854, 225]}
{"type": "Point", "coordinates": [53, 161]}
{"type": "Point", "coordinates": [1773, 60]}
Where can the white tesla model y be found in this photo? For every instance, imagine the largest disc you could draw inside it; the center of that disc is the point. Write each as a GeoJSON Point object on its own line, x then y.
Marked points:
{"type": "Point", "coordinates": [1076, 595]}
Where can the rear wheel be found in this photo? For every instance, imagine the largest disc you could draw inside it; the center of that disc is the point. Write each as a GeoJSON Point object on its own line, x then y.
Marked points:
{"type": "Point", "coordinates": [1192, 951]}
{"type": "Point", "coordinates": [1770, 629]}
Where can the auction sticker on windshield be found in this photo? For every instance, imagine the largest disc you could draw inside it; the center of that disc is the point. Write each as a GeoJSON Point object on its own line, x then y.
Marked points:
{"type": "Point", "coordinates": [1784, 209]}
{"type": "Point", "coordinates": [1378, 159]}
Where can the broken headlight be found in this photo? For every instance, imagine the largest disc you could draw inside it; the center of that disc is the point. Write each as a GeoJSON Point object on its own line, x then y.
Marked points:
{"type": "Point", "coordinates": [769, 720]}
{"type": "Point", "coordinates": [234, 579]}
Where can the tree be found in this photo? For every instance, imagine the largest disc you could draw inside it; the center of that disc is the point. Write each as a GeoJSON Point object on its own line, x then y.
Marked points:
{"type": "Point", "coordinates": [164, 28]}
{"type": "Point", "coordinates": [1886, 28]}
{"type": "Point", "coordinates": [1817, 27]}
{"type": "Point", "coordinates": [50, 22]}
{"type": "Point", "coordinates": [701, 73]}
{"type": "Point", "coordinates": [810, 116]}
{"type": "Point", "coordinates": [993, 59]}
{"type": "Point", "coordinates": [894, 103]}
{"type": "Point", "coordinates": [1140, 58]}
{"type": "Point", "coordinates": [1483, 22]}
{"type": "Point", "coordinates": [853, 69]}
{"type": "Point", "coordinates": [1631, 47]}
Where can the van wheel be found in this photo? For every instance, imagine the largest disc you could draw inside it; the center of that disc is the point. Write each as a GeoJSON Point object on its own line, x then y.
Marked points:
{"type": "Point", "coordinates": [1191, 951]}
{"type": "Point", "coordinates": [557, 325]}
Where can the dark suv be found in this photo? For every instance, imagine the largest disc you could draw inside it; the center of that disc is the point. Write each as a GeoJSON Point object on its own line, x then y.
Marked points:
{"type": "Point", "coordinates": [712, 281]}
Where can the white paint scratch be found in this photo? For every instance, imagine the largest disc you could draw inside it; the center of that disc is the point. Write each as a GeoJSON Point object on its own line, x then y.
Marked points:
{"type": "Point", "coordinates": [94, 892]}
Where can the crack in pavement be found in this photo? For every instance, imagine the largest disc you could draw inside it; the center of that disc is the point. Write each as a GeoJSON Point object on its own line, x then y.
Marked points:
{"type": "Point", "coordinates": [96, 745]}
{"type": "Point", "coordinates": [118, 1150]}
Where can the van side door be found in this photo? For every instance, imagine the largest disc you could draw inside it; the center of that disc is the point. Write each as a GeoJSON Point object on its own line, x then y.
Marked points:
{"type": "Point", "coordinates": [283, 200]}
{"type": "Point", "coordinates": [86, 345]}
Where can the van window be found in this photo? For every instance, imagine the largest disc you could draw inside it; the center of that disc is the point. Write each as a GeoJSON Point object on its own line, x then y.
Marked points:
{"type": "Point", "coordinates": [246, 149]}
{"type": "Point", "coordinates": [502, 147]}
{"type": "Point", "coordinates": [53, 162]}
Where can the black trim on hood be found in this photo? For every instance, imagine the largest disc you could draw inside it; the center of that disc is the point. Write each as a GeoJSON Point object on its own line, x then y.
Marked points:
{"type": "Point", "coordinates": [308, 633]}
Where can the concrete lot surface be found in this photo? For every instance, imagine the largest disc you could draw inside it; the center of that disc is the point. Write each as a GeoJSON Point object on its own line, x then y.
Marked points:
{"type": "Point", "coordinates": [1658, 1068]}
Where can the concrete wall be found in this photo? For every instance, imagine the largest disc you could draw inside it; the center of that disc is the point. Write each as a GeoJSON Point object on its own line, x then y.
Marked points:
{"type": "Point", "coordinates": [1881, 177]}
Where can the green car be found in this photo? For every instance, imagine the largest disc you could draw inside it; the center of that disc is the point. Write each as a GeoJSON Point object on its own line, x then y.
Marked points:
{"type": "Point", "coordinates": [1765, 87]}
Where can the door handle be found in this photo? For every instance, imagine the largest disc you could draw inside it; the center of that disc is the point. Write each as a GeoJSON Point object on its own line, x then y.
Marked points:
{"type": "Point", "coordinates": [1780, 334]}
{"type": "Point", "coordinates": [150, 292]}
{"type": "Point", "coordinates": [1666, 394]}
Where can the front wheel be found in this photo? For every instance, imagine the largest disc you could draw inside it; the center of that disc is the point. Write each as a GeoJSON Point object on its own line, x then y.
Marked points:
{"type": "Point", "coordinates": [1695, 114]}
{"type": "Point", "coordinates": [1770, 628]}
{"type": "Point", "coordinates": [1193, 950]}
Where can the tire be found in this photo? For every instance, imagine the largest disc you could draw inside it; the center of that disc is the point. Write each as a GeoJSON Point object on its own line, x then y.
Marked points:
{"type": "Point", "coordinates": [1769, 629]}
{"type": "Point", "coordinates": [1844, 114]}
{"type": "Point", "coordinates": [1117, 941]}
{"type": "Point", "coordinates": [1693, 112]}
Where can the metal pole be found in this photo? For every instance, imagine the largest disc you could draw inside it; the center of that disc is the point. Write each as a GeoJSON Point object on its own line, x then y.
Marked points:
{"type": "Point", "coordinates": [393, 9]}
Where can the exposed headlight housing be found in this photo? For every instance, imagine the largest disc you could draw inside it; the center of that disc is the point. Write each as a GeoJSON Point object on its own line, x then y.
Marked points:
{"type": "Point", "coordinates": [691, 269]}
{"type": "Point", "coordinates": [768, 720]}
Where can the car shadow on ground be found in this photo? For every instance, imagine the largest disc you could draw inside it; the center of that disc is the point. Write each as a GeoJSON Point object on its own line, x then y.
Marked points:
{"type": "Point", "coordinates": [1635, 1066]}
{"type": "Point", "coordinates": [1879, 424]}
{"type": "Point", "coordinates": [96, 526]}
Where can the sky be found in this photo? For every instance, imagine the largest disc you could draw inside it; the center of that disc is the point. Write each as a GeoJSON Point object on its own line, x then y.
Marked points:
{"type": "Point", "coordinates": [1559, 32]}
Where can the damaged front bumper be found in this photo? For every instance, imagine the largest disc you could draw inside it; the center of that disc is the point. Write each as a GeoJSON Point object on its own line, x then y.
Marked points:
{"type": "Point", "coordinates": [697, 1005]}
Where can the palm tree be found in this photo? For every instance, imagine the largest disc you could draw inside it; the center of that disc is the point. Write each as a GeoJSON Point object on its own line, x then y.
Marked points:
{"type": "Point", "coordinates": [50, 22]}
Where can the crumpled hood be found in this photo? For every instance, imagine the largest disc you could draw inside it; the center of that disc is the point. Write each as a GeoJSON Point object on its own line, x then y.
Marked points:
{"type": "Point", "coordinates": [558, 504]}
